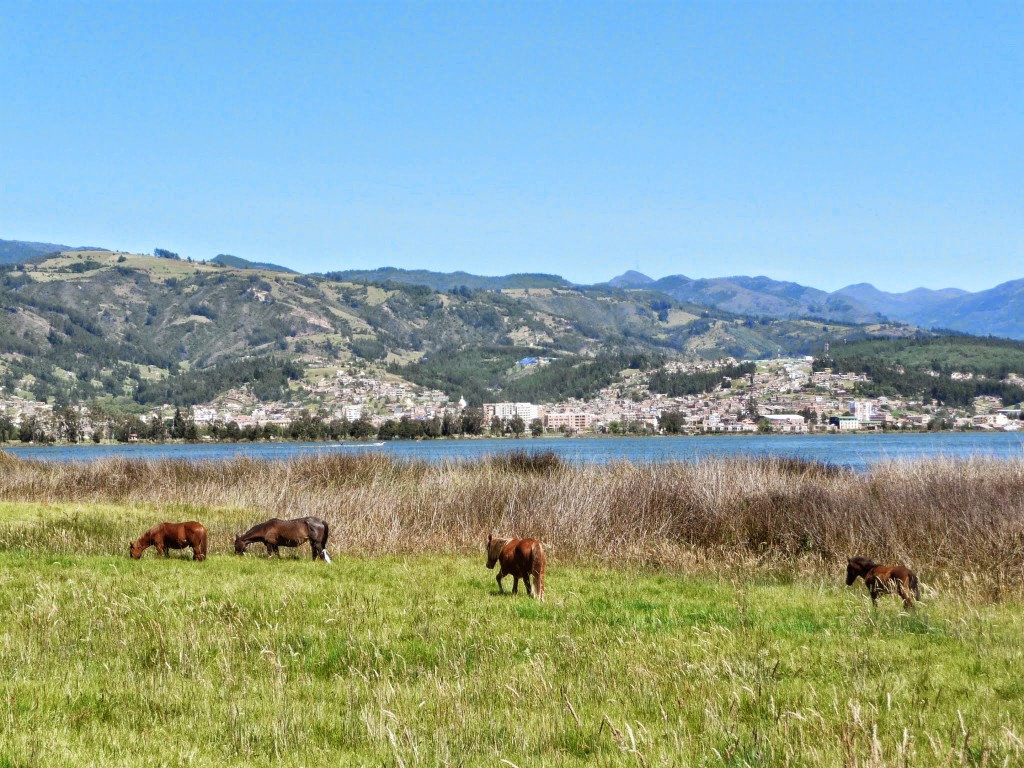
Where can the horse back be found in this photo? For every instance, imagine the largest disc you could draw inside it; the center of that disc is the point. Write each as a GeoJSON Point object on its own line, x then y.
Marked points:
{"type": "Point", "coordinates": [881, 576]}
{"type": "Point", "coordinates": [521, 557]}
{"type": "Point", "coordinates": [185, 534]}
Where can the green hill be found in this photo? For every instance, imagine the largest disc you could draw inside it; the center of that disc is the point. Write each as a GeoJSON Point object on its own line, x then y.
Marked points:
{"type": "Point", "coordinates": [237, 262]}
{"type": "Point", "coordinates": [88, 324]}
{"type": "Point", "coordinates": [950, 369]}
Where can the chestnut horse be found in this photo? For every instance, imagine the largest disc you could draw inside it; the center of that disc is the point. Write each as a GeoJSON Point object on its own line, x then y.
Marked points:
{"type": "Point", "coordinates": [287, 533]}
{"type": "Point", "coordinates": [520, 558]}
{"type": "Point", "coordinates": [172, 536]}
{"type": "Point", "coordinates": [884, 579]}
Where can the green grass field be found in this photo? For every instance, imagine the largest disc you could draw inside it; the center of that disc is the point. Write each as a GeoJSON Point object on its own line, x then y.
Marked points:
{"type": "Point", "coordinates": [418, 661]}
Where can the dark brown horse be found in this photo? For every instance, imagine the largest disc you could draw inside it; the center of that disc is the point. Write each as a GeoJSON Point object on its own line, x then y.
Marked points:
{"type": "Point", "coordinates": [519, 558]}
{"type": "Point", "coordinates": [172, 536]}
{"type": "Point", "coordinates": [287, 533]}
{"type": "Point", "coordinates": [884, 579]}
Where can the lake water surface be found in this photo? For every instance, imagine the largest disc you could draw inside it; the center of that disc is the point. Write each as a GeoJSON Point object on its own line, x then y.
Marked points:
{"type": "Point", "coordinates": [856, 451]}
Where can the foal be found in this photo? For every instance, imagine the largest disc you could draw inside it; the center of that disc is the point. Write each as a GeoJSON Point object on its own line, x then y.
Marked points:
{"type": "Point", "coordinates": [519, 558]}
{"type": "Point", "coordinates": [884, 579]}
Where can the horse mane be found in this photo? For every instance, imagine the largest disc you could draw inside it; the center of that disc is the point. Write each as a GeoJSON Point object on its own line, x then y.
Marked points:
{"type": "Point", "coordinates": [862, 562]}
{"type": "Point", "coordinates": [258, 526]}
{"type": "Point", "coordinates": [147, 537]}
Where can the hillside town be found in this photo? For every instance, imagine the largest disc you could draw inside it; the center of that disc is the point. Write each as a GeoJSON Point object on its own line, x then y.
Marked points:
{"type": "Point", "coordinates": [780, 395]}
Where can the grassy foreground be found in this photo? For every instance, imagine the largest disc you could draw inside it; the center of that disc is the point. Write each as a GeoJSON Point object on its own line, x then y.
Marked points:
{"type": "Point", "coordinates": [415, 660]}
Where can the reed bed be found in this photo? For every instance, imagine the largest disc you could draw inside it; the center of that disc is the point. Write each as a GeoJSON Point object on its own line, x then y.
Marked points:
{"type": "Point", "coordinates": [958, 521]}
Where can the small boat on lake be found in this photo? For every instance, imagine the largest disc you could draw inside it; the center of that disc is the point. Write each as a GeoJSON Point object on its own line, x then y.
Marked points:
{"type": "Point", "coordinates": [362, 445]}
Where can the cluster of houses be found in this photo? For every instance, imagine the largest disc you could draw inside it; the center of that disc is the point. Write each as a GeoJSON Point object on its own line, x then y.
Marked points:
{"type": "Point", "coordinates": [784, 395]}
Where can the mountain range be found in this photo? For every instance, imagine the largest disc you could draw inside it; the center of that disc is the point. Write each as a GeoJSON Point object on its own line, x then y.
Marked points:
{"type": "Point", "coordinates": [997, 311]}
{"type": "Point", "coordinates": [16, 251]}
{"type": "Point", "coordinates": [81, 325]}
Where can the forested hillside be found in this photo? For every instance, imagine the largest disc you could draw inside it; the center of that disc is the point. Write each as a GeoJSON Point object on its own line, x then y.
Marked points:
{"type": "Point", "coordinates": [93, 324]}
{"type": "Point", "coordinates": [951, 369]}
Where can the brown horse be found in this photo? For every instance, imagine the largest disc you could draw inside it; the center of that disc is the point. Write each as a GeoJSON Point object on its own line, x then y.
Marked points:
{"type": "Point", "coordinates": [287, 533]}
{"type": "Point", "coordinates": [172, 536]}
{"type": "Point", "coordinates": [884, 579]}
{"type": "Point", "coordinates": [520, 558]}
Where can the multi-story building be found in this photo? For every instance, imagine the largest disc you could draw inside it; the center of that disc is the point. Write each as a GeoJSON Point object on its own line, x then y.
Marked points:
{"type": "Point", "coordinates": [574, 420]}
{"type": "Point", "coordinates": [526, 411]}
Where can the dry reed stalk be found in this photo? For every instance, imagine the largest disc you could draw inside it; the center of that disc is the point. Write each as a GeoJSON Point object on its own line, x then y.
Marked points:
{"type": "Point", "coordinates": [941, 516]}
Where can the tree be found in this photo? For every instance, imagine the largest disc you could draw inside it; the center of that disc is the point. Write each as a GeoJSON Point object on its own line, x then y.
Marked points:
{"type": "Point", "coordinates": [497, 425]}
{"type": "Point", "coordinates": [763, 425]}
{"type": "Point", "coordinates": [433, 427]}
{"type": "Point", "coordinates": [536, 427]}
{"type": "Point", "coordinates": [69, 425]}
{"type": "Point", "coordinates": [157, 429]}
{"type": "Point", "coordinates": [178, 425]}
{"type": "Point", "coordinates": [517, 425]}
{"type": "Point", "coordinates": [752, 409]}
{"type": "Point", "coordinates": [410, 428]}
{"type": "Point", "coordinates": [472, 421]}
{"type": "Point", "coordinates": [671, 422]}
{"type": "Point", "coordinates": [363, 428]}
{"type": "Point", "coordinates": [33, 431]}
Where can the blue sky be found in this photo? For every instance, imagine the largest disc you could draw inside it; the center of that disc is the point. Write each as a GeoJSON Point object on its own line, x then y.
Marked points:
{"type": "Point", "coordinates": [823, 143]}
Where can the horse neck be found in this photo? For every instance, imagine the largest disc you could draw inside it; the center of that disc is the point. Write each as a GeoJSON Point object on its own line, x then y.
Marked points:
{"type": "Point", "coordinates": [255, 532]}
{"type": "Point", "coordinates": [864, 566]}
{"type": "Point", "coordinates": [496, 546]}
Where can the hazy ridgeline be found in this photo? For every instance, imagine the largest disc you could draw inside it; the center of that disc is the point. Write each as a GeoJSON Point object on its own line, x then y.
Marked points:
{"type": "Point", "coordinates": [947, 518]}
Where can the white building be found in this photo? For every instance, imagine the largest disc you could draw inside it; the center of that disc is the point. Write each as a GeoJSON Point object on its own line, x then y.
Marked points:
{"type": "Point", "coordinates": [862, 410]}
{"type": "Point", "coordinates": [526, 411]}
{"type": "Point", "coordinates": [787, 422]}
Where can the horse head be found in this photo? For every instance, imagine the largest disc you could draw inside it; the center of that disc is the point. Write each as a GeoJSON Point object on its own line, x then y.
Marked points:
{"type": "Point", "coordinates": [135, 549]}
{"type": "Point", "coordinates": [857, 566]}
{"type": "Point", "coordinates": [240, 545]}
{"type": "Point", "coordinates": [494, 547]}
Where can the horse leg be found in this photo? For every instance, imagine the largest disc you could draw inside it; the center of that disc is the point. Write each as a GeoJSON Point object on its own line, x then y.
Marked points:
{"type": "Point", "coordinates": [526, 581]}
{"type": "Point", "coordinates": [499, 577]}
{"type": "Point", "coordinates": [873, 589]}
{"type": "Point", "coordinates": [904, 592]}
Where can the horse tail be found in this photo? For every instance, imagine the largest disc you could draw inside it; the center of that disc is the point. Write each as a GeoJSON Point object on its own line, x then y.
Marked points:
{"type": "Point", "coordinates": [327, 535]}
{"type": "Point", "coordinates": [204, 540]}
{"type": "Point", "coordinates": [537, 568]}
{"type": "Point", "coordinates": [915, 586]}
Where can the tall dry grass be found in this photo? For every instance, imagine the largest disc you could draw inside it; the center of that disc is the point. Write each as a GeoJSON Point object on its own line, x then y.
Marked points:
{"type": "Point", "coordinates": [956, 521]}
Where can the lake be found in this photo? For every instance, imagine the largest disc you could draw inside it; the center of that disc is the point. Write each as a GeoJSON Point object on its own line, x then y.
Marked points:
{"type": "Point", "coordinates": [856, 451]}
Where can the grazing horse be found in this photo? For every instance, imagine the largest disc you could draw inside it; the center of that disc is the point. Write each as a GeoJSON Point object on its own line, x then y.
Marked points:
{"type": "Point", "coordinates": [520, 558]}
{"type": "Point", "coordinates": [172, 536]}
{"type": "Point", "coordinates": [884, 579]}
{"type": "Point", "coordinates": [287, 533]}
